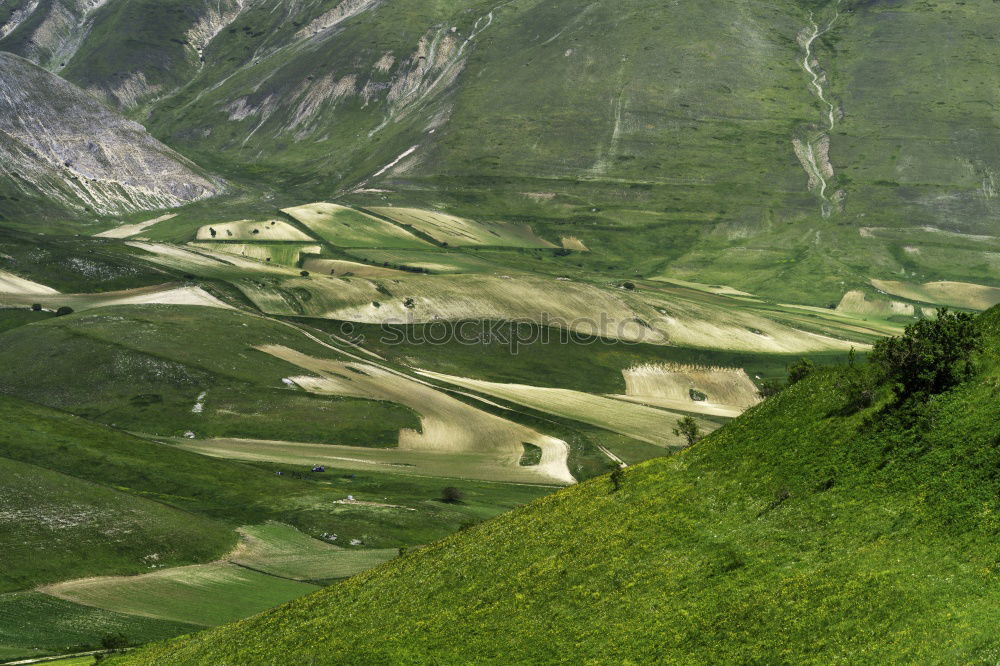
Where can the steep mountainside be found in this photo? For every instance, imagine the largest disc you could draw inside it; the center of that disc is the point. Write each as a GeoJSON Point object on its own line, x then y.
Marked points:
{"type": "Point", "coordinates": [802, 532]}
{"type": "Point", "coordinates": [59, 145]}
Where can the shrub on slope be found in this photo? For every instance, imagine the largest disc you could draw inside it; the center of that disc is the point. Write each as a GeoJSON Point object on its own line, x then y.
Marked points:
{"type": "Point", "coordinates": [800, 532]}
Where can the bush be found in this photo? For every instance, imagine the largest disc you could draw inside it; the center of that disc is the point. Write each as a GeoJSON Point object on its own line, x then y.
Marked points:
{"type": "Point", "coordinates": [800, 370]}
{"type": "Point", "coordinates": [451, 495]}
{"type": "Point", "coordinates": [769, 387]}
{"type": "Point", "coordinates": [64, 310]}
{"type": "Point", "coordinates": [931, 356]}
{"type": "Point", "coordinates": [36, 307]}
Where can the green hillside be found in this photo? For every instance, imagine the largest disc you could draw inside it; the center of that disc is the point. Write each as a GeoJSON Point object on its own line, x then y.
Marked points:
{"type": "Point", "coordinates": [806, 531]}
{"type": "Point", "coordinates": [776, 147]}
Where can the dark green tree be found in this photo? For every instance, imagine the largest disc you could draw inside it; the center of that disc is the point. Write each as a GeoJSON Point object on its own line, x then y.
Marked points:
{"type": "Point", "coordinates": [687, 428]}
{"type": "Point", "coordinates": [800, 370]}
{"type": "Point", "coordinates": [931, 356]}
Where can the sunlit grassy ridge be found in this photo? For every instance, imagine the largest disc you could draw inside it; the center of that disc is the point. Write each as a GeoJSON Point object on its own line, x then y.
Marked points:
{"type": "Point", "coordinates": [803, 531]}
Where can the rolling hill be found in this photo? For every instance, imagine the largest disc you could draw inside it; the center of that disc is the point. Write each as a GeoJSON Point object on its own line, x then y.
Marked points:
{"type": "Point", "coordinates": [805, 531]}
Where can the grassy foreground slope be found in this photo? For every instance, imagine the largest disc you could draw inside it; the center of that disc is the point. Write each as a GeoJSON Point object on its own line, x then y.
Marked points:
{"type": "Point", "coordinates": [800, 532]}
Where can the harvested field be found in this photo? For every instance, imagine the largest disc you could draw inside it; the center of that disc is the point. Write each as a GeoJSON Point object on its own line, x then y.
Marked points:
{"type": "Point", "coordinates": [204, 262]}
{"type": "Point", "coordinates": [202, 594]}
{"type": "Point", "coordinates": [956, 294]}
{"type": "Point", "coordinates": [573, 243]}
{"type": "Point", "coordinates": [250, 230]}
{"type": "Point", "coordinates": [448, 425]}
{"type": "Point", "coordinates": [857, 302]}
{"type": "Point", "coordinates": [167, 294]}
{"type": "Point", "coordinates": [458, 231]}
{"type": "Point", "coordinates": [12, 284]}
{"type": "Point", "coordinates": [346, 227]}
{"type": "Point", "coordinates": [129, 230]}
{"type": "Point", "coordinates": [726, 391]}
{"type": "Point", "coordinates": [432, 463]}
{"type": "Point", "coordinates": [282, 550]}
{"type": "Point", "coordinates": [708, 288]}
{"type": "Point", "coordinates": [584, 308]}
{"type": "Point", "coordinates": [431, 261]}
{"type": "Point", "coordinates": [343, 268]}
{"type": "Point", "coordinates": [285, 254]}
{"type": "Point", "coordinates": [647, 424]}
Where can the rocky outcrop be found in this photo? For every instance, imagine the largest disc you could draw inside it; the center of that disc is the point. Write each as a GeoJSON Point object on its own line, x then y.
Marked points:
{"type": "Point", "coordinates": [60, 144]}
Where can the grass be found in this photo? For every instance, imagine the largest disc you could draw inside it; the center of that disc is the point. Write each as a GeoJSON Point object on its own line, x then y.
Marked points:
{"type": "Point", "coordinates": [33, 624]}
{"type": "Point", "coordinates": [147, 366]}
{"type": "Point", "coordinates": [803, 531]}
{"type": "Point", "coordinates": [202, 594]}
{"type": "Point", "coordinates": [283, 551]}
{"type": "Point", "coordinates": [83, 528]}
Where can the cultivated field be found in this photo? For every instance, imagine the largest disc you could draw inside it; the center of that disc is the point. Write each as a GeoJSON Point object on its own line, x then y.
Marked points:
{"type": "Point", "coordinates": [201, 594]}
{"type": "Point", "coordinates": [346, 227]}
{"type": "Point", "coordinates": [33, 624]}
{"type": "Point", "coordinates": [12, 284]}
{"type": "Point", "coordinates": [448, 425]}
{"type": "Point", "coordinates": [717, 391]}
{"type": "Point", "coordinates": [282, 550]}
{"type": "Point", "coordinates": [251, 230]}
{"type": "Point", "coordinates": [343, 268]}
{"type": "Point", "coordinates": [129, 230]}
{"type": "Point", "coordinates": [431, 261]}
{"type": "Point", "coordinates": [957, 294]}
{"type": "Point", "coordinates": [858, 302]}
{"type": "Point", "coordinates": [285, 254]}
{"type": "Point", "coordinates": [458, 231]}
{"type": "Point", "coordinates": [647, 424]}
{"type": "Point", "coordinates": [167, 294]}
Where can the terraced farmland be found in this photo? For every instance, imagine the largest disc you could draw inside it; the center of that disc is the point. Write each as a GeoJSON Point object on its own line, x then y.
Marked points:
{"type": "Point", "coordinates": [285, 254]}
{"type": "Point", "coordinates": [346, 227]}
{"type": "Point", "coordinates": [251, 230]}
{"type": "Point", "coordinates": [457, 231]}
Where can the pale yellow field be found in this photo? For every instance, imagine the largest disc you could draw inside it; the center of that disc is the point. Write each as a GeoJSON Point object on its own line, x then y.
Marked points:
{"type": "Point", "coordinates": [581, 307]}
{"type": "Point", "coordinates": [857, 302]}
{"type": "Point", "coordinates": [204, 594]}
{"type": "Point", "coordinates": [342, 268]}
{"type": "Point", "coordinates": [573, 243]}
{"type": "Point", "coordinates": [957, 294]}
{"type": "Point", "coordinates": [406, 462]}
{"type": "Point", "coordinates": [129, 230]}
{"type": "Point", "coordinates": [730, 391]}
{"type": "Point", "coordinates": [458, 231]}
{"type": "Point", "coordinates": [12, 284]}
{"type": "Point", "coordinates": [202, 261]}
{"type": "Point", "coordinates": [347, 227]}
{"type": "Point", "coordinates": [648, 424]}
{"type": "Point", "coordinates": [285, 254]}
{"type": "Point", "coordinates": [267, 230]}
{"type": "Point", "coordinates": [448, 425]}
{"type": "Point", "coordinates": [168, 294]}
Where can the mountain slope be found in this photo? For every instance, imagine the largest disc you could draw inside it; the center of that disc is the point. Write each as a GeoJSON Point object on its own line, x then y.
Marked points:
{"type": "Point", "coordinates": [60, 146]}
{"type": "Point", "coordinates": [801, 532]}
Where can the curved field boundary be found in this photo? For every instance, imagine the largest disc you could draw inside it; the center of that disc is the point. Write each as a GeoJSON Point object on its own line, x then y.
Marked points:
{"type": "Point", "coordinates": [448, 425]}
{"type": "Point", "coordinates": [647, 424]}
